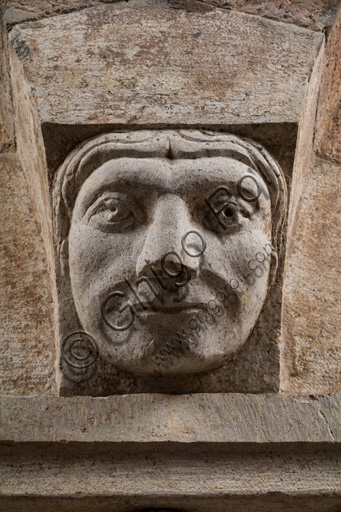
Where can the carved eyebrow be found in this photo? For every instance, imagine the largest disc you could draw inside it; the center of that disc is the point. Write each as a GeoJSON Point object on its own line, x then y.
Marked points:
{"type": "Point", "coordinates": [103, 192]}
{"type": "Point", "coordinates": [131, 186]}
{"type": "Point", "coordinates": [139, 180]}
{"type": "Point", "coordinates": [243, 195]}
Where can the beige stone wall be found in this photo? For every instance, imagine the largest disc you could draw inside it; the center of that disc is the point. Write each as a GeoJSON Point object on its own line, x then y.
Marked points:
{"type": "Point", "coordinates": [311, 313]}
{"type": "Point", "coordinates": [27, 338]}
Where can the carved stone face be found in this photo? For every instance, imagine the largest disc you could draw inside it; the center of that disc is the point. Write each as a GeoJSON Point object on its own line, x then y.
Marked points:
{"type": "Point", "coordinates": [129, 219]}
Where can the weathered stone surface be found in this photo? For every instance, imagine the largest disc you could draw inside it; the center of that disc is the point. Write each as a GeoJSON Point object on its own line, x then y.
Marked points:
{"type": "Point", "coordinates": [313, 14]}
{"type": "Point", "coordinates": [6, 110]}
{"type": "Point", "coordinates": [311, 350]}
{"type": "Point", "coordinates": [199, 453]}
{"type": "Point", "coordinates": [198, 477]}
{"type": "Point", "coordinates": [328, 129]}
{"type": "Point", "coordinates": [31, 152]}
{"type": "Point", "coordinates": [304, 139]}
{"type": "Point", "coordinates": [160, 65]}
{"type": "Point", "coordinates": [272, 502]}
{"type": "Point", "coordinates": [126, 214]}
{"type": "Point", "coordinates": [214, 418]}
{"type": "Point", "coordinates": [278, 138]}
{"type": "Point", "coordinates": [27, 350]}
{"type": "Point", "coordinates": [247, 373]}
{"type": "Point", "coordinates": [30, 139]}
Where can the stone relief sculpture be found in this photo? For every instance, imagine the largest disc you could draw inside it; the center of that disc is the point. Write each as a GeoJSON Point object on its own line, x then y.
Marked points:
{"type": "Point", "coordinates": [154, 231]}
{"type": "Point", "coordinates": [147, 256]}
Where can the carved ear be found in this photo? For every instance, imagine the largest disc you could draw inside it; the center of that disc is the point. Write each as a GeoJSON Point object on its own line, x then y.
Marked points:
{"type": "Point", "coordinates": [64, 257]}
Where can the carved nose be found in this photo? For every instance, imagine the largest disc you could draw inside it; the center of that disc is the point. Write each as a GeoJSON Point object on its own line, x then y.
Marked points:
{"type": "Point", "coordinates": [171, 222]}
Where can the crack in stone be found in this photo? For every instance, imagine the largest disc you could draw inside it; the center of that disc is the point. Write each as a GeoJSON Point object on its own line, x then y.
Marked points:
{"type": "Point", "coordinates": [326, 421]}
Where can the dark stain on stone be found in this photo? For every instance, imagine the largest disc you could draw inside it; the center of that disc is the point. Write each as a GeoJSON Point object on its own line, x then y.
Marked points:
{"type": "Point", "coordinates": [21, 48]}
{"type": "Point", "coordinates": [190, 5]}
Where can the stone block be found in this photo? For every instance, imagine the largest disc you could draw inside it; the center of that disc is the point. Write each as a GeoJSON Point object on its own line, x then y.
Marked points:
{"type": "Point", "coordinates": [315, 15]}
{"type": "Point", "coordinates": [161, 65]}
{"type": "Point", "coordinates": [311, 348]}
{"type": "Point", "coordinates": [200, 453]}
{"type": "Point", "coordinates": [328, 129]}
{"type": "Point", "coordinates": [6, 110]}
{"type": "Point", "coordinates": [27, 337]}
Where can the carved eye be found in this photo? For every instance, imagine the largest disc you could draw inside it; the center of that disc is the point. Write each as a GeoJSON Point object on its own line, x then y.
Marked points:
{"type": "Point", "coordinates": [229, 217]}
{"type": "Point", "coordinates": [229, 212]}
{"type": "Point", "coordinates": [115, 212]}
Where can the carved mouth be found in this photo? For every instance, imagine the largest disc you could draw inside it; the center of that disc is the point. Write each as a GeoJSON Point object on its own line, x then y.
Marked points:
{"type": "Point", "coordinates": [171, 308]}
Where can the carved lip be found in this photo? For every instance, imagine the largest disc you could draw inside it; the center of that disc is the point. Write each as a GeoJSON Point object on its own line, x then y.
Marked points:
{"type": "Point", "coordinates": [171, 308]}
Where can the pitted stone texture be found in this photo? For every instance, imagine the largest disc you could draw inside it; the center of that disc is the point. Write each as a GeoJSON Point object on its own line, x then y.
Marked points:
{"type": "Point", "coordinates": [149, 64]}
{"type": "Point", "coordinates": [199, 453]}
{"type": "Point", "coordinates": [27, 350]}
{"type": "Point", "coordinates": [311, 347]}
{"type": "Point", "coordinates": [251, 374]}
{"type": "Point", "coordinates": [6, 110]}
{"type": "Point", "coordinates": [185, 477]}
{"type": "Point", "coordinates": [131, 206]}
{"type": "Point", "coordinates": [311, 317]}
{"type": "Point", "coordinates": [313, 14]}
{"type": "Point", "coordinates": [271, 502]}
{"type": "Point", "coordinates": [328, 136]}
{"type": "Point", "coordinates": [198, 418]}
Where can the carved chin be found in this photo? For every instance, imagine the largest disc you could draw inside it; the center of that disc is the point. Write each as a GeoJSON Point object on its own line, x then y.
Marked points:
{"type": "Point", "coordinates": [177, 344]}
{"type": "Point", "coordinates": [177, 339]}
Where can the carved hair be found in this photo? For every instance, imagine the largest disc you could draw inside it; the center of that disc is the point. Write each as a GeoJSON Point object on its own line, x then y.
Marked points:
{"type": "Point", "coordinates": [173, 144]}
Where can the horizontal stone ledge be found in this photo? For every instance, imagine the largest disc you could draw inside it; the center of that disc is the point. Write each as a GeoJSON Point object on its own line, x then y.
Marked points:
{"type": "Point", "coordinates": [155, 418]}
{"type": "Point", "coordinates": [169, 471]}
{"type": "Point", "coordinates": [273, 503]}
